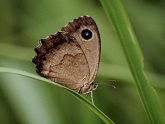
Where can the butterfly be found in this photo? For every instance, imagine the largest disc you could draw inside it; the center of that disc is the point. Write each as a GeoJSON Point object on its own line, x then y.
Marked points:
{"type": "Point", "coordinates": [71, 56]}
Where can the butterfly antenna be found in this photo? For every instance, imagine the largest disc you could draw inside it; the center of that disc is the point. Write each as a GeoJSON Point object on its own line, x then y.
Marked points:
{"type": "Point", "coordinates": [108, 84]}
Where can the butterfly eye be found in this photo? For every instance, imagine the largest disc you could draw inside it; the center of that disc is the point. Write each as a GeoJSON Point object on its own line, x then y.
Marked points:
{"type": "Point", "coordinates": [44, 58]}
{"type": "Point", "coordinates": [86, 34]}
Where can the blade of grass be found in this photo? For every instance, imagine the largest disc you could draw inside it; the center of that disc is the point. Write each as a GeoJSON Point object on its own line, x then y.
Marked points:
{"type": "Point", "coordinates": [98, 112]}
{"type": "Point", "coordinates": [121, 24]}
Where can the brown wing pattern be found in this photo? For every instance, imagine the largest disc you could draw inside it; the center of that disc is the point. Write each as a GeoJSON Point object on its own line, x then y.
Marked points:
{"type": "Point", "coordinates": [67, 58]}
{"type": "Point", "coordinates": [60, 59]}
{"type": "Point", "coordinates": [91, 48]}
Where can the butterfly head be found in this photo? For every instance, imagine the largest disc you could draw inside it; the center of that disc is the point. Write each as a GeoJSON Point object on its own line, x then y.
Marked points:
{"type": "Point", "coordinates": [87, 88]}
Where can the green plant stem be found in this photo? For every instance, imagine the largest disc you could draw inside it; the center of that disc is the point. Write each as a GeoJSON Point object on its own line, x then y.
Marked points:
{"type": "Point", "coordinates": [121, 24]}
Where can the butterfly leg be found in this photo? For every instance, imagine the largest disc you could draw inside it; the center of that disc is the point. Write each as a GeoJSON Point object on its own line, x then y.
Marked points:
{"type": "Point", "coordinates": [92, 98]}
{"type": "Point", "coordinates": [91, 93]}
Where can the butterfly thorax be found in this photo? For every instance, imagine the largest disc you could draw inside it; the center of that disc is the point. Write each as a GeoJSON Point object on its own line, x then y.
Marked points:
{"type": "Point", "coordinates": [87, 88]}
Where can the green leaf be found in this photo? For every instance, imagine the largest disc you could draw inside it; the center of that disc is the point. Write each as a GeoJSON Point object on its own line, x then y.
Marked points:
{"type": "Point", "coordinates": [98, 112]}
{"type": "Point", "coordinates": [122, 26]}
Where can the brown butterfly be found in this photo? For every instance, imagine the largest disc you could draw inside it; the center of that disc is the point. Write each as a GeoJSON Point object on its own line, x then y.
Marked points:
{"type": "Point", "coordinates": [71, 56]}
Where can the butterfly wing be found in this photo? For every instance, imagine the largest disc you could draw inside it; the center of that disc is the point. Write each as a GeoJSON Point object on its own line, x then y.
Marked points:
{"type": "Point", "coordinates": [60, 59]}
{"type": "Point", "coordinates": [90, 47]}
{"type": "Point", "coordinates": [68, 58]}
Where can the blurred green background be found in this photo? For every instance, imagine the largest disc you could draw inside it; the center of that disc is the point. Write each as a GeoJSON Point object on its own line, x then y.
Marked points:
{"type": "Point", "coordinates": [27, 101]}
